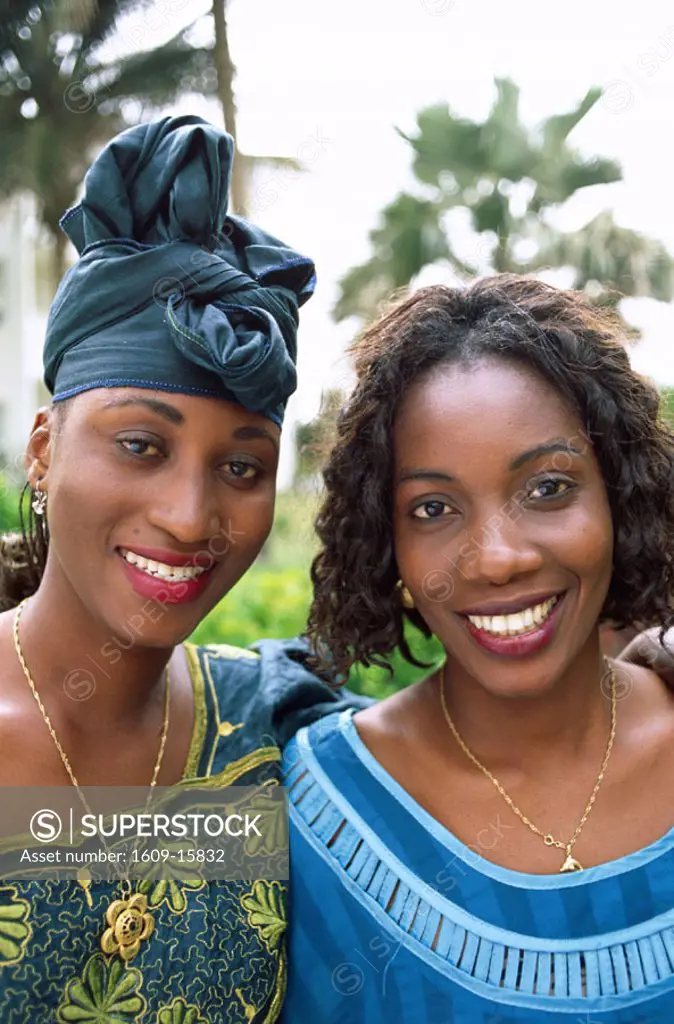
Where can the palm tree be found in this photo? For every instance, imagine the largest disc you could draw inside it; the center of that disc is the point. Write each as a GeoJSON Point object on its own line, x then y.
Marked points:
{"type": "Point", "coordinates": [226, 72]}
{"type": "Point", "coordinates": [314, 439]}
{"type": "Point", "coordinates": [244, 163]}
{"type": "Point", "coordinates": [508, 178]}
{"type": "Point", "coordinates": [59, 101]}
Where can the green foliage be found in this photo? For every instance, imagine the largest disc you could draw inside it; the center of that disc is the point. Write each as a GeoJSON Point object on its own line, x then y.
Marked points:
{"type": "Point", "coordinates": [313, 440]}
{"type": "Point", "coordinates": [379, 682]}
{"type": "Point", "coordinates": [54, 86]}
{"type": "Point", "coordinates": [273, 603]}
{"type": "Point", "coordinates": [510, 179]}
{"type": "Point", "coordinates": [272, 600]}
{"type": "Point", "coordinates": [9, 506]}
{"type": "Point", "coordinates": [667, 406]}
{"type": "Point", "coordinates": [292, 541]}
{"type": "Point", "coordinates": [265, 603]}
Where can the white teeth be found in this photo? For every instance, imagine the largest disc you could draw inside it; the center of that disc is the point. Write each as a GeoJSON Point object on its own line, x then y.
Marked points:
{"type": "Point", "coordinates": [172, 573]}
{"type": "Point", "coordinates": [517, 623]}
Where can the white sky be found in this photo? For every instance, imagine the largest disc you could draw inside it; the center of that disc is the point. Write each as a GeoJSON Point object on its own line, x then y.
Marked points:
{"type": "Point", "coordinates": [345, 74]}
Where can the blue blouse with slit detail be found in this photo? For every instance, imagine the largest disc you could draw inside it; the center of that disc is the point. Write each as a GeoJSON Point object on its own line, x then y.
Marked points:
{"type": "Point", "coordinates": [395, 919]}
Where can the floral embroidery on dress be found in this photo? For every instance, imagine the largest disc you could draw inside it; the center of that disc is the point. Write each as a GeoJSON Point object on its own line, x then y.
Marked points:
{"type": "Point", "coordinates": [15, 931]}
{"type": "Point", "coordinates": [107, 993]}
{"type": "Point", "coordinates": [266, 911]}
{"type": "Point", "coordinates": [179, 1012]}
{"type": "Point", "coordinates": [170, 891]}
{"type": "Point", "coordinates": [273, 836]}
{"type": "Point", "coordinates": [208, 959]}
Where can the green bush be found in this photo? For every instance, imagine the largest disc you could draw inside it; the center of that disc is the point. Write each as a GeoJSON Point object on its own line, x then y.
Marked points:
{"type": "Point", "coordinates": [667, 406]}
{"type": "Point", "coordinates": [273, 603]}
{"type": "Point", "coordinates": [9, 506]}
{"type": "Point", "coordinates": [293, 541]}
{"type": "Point", "coordinates": [380, 683]}
{"type": "Point", "coordinates": [265, 603]}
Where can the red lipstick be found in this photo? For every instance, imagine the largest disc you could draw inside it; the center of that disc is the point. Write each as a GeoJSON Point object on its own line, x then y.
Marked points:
{"type": "Point", "coordinates": [168, 591]}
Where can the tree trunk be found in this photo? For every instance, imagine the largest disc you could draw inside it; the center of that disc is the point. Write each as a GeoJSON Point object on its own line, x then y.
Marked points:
{"type": "Point", "coordinates": [58, 258]}
{"type": "Point", "coordinates": [226, 71]}
{"type": "Point", "coordinates": [502, 262]}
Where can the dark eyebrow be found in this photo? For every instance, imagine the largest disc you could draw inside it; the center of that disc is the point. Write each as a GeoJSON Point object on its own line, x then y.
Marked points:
{"type": "Point", "coordinates": [254, 434]}
{"type": "Point", "coordinates": [425, 474]}
{"type": "Point", "coordinates": [169, 412]}
{"type": "Point", "coordinates": [174, 415]}
{"type": "Point", "coordinates": [528, 456]}
{"type": "Point", "coordinates": [544, 449]}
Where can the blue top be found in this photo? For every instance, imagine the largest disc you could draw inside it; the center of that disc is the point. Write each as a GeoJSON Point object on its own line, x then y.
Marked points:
{"type": "Point", "coordinates": [395, 919]}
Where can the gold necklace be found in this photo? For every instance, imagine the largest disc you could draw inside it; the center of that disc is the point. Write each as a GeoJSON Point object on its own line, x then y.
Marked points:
{"type": "Point", "coordinates": [128, 921]}
{"type": "Point", "coordinates": [570, 863]}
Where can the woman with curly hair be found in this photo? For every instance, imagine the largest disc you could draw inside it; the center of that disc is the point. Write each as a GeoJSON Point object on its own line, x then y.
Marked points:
{"type": "Point", "coordinates": [494, 843]}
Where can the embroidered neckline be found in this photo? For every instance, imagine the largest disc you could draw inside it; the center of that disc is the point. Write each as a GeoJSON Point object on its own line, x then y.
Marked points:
{"type": "Point", "coordinates": [200, 713]}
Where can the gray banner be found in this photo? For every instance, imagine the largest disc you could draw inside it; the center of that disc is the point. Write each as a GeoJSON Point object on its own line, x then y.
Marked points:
{"type": "Point", "coordinates": [189, 832]}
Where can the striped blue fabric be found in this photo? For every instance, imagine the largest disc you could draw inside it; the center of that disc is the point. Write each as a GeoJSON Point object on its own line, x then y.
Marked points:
{"type": "Point", "coordinates": [395, 919]}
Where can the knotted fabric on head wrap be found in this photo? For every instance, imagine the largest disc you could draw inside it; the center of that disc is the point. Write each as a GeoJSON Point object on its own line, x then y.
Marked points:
{"type": "Point", "coordinates": [169, 292]}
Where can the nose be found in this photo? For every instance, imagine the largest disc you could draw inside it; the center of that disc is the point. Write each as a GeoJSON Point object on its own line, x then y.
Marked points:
{"type": "Point", "coordinates": [498, 550]}
{"type": "Point", "coordinates": [183, 505]}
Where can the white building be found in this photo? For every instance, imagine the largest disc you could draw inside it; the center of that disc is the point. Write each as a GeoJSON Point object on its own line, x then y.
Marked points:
{"type": "Point", "coordinates": [24, 303]}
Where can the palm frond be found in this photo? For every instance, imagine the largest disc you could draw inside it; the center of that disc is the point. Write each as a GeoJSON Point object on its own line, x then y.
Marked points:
{"type": "Point", "coordinates": [158, 75]}
{"type": "Point", "coordinates": [557, 128]}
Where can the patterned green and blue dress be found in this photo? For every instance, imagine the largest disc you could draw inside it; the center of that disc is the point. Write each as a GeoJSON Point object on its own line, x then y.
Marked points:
{"type": "Point", "coordinates": [217, 952]}
{"type": "Point", "coordinates": [393, 919]}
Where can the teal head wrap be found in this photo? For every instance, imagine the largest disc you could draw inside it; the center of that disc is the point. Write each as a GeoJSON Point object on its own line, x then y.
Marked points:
{"type": "Point", "coordinates": [169, 291]}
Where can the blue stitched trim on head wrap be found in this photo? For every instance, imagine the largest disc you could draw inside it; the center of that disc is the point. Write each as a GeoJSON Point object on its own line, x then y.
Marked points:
{"type": "Point", "coordinates": [169, 291]}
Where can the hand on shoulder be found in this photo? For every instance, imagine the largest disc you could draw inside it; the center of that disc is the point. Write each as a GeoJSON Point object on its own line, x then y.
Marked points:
{"type": "Point", "coordinates": [647, 651]}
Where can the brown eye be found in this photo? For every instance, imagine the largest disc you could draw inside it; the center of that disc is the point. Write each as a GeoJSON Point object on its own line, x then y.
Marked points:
{"type": "Point", "coordinates": [242, 470]}
{"type": "Point", "coordinates": [431, 510]}
{"type": "Point", "coordinates": [550, 488]}
{"type": "Point", "coordinates": [139, 446]}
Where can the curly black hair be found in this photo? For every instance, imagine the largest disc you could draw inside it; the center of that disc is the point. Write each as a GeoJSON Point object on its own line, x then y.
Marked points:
{"type": "Point", "coordinates": [357, 613]}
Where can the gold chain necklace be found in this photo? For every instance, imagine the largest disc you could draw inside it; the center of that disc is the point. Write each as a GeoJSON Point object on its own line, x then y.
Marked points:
{"type": "Point", "coordinates": [570, 863]}
{"type": "Point", "coordinates": [128, 920]}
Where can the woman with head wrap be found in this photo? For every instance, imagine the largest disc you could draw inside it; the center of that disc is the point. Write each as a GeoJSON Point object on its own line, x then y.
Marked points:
{"type": "Point", "coordinates": [170, 354]}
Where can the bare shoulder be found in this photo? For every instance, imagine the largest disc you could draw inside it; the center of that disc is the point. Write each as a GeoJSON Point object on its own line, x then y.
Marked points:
{"type": "Point", "coordinates": [646, 707]}
{"type": "Point", "coordinates": [9, 665]}
{"type": "Point", "coordinates": [388, 715]}
{"type": "Point", "coordinates": [21, 732]}
{"type": "Point", "coordinates": [397, 731]}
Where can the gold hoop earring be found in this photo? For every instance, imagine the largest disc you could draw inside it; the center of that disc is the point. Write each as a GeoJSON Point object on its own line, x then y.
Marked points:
{"type": "Point", "coordinates": [405, 596]}
{"type": "Point", "coordinates": [39, 502]}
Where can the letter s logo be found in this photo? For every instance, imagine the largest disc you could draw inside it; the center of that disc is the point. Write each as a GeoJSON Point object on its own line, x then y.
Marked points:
{"type": "Point", "coordinates": [46, 826]}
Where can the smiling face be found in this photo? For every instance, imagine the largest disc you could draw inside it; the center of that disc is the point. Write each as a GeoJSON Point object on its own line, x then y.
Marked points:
{"type": "Point", "coordinates": [503, 532]}
{"type": "Point", "coordinates": [157, 504]}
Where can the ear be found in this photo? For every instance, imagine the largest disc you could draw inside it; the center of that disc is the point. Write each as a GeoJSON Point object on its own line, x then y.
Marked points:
{"type": "Point", "coordinates": [38, 452]}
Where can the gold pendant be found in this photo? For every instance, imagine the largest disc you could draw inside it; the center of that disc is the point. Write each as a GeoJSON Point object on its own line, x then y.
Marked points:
{"type": "Point", "coordinates": [129, 925]}
{"type": "Point", "coordinates": [570, 864]}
